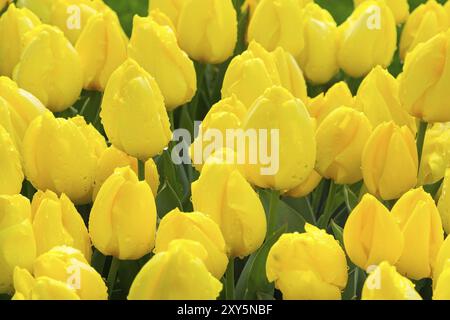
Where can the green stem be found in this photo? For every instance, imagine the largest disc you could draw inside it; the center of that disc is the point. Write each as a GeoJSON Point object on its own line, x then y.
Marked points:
{"type": "Point", "coordinates": [328, 210]}
{"type": "Point", "coordinates": [229, 278]}
{"type": "Point", "coordinates": [421, 138]}
{"type": "Point", "coordinates": [273, 204]}
{"type": "Point", "coordinates": [141, 170]}
{"type": "Point", "coordinates": [200, 70]}
{"type": "Point", "coordinates": [171, 119]}
{"type": "Point", "coordinates": [112, 275]}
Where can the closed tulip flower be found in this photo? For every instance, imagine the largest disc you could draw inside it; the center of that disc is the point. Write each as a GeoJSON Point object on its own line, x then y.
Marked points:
{"type": "Point", "coordinates": [390, 161]}
{"type": "Point", "coordinates": [50, 68]}
{"type": "Point", "coordinates": [56, 222]}
{"type": "Point", "coordinates": [341, 138]}
{"type": "Point", "coordinates": [378, 97]}
{"type": "Point", "coordinates": [41, 8]}
{"type": "Point", "coordinates": [442, 290]}
{"type": "Point", "coordinates": [158, 278]}
{"type": "Point", "coordinates": [435, 154]}
{"type": "Point", "coordinates": [227, 114]}
{"type": "Point", "coordinates": [171, 8]}
{"type": "Point", "coordinates": [17, 244]}
{"type": "Point", "coordinates": [68, 265]}
{"type": "Point", "coordinates": [385, 283]}
{"type": "Point", "coordinates": [10, 165]}
{"type": "Point", "coordinates": [421, 225]}
{"type": "Point", "coordinates": [306, 187]}
{"type": "Point", "coordinates": [133, 112]}
{"type": "Point", "coordinates": [279, 110]}
{"type": "Point", "coordinates": [223, 193]}
{"type": "Point", "coordinates": [61, 155]}
{"type": "Point", "coordinates": [400, 9]}
{"type": "Point", "coordinates": [426, 21]}
{"type": "Point", "coordinates": [323, 104]}
{"type": "Point", "coordinates": [310, 265]}
{"type": "Point", "coordinates": [155, 48]}
{"type": "Point", "coordinates": [424, 81]}
{"type": "Point", "coordinates": [444, 203]}
{"type": "Point", "coordinates": [284, 16]}
{"type": "Point", "coordinates": [102, 47]}
{"type": "Point", "coordinates": [123, 218]}
{"type": "Point", "coordinates": [371, 234]}
{"type": "Point", "coordinates": [161, 18]}
{"type": "Point", "coordinates": [198, 227]}
{"type": "Point", "coordinates": [112, 158]}
{"type": "Point", "coordinates": [14, 23]}
{"type": "Point", "coordinates": [441, 261]}
{"type": "Point", "coordinates": [367, 38]}
{"type": "Point", "coordinates": [318, 58]}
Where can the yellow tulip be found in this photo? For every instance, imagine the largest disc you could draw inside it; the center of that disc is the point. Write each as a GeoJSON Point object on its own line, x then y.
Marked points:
{"type": "Point", "coordinates": [341, 138]}
{"type": "Point", "coordinates": [198, 227]}
{"type": "Point", "coordinates": [41, 8]}
{"type": "Point", "coordinates": [307, 266]}
{"type": "Point", "coordinates": [275, 24]}
{"type": "Point", "coordinates": [14, 23]}
{"type": "Point", "coordinates": [227, 114]}
{"type": "Point", "coordinates": [444, 203]}
{"type": "Point", "coordinates": [390, 161]}
{"type": "Point", "coordinates": [385, 283]}
{"type": "Point", "coordinates": [323, 104]}
{"type": "Point", "coordinates": [367, 38]}
{"type": "Point", "coordinates": [252, 4]}
{"type": "Point", "coordinates": [378, 98]}
{"type": "Point", "coordinates": [223, 193]}
{"type": "Point", "coordinates": [17, 244]}
{"type": "Point", "coordinates": [424, 81]}
{"type": "Point", "coordinates": [161, 18]}
{"type": "Point", "coordinates": [50, 68]}
{"type": "Point", "coordinates": [171, 8]}
{"type": "Point", "coordinates": [158, 278]}
{"type": "Point", "coordinates": [155, 48]}
{"type": "Point", "coordinates": [318, 59]}
{"type": "Point", "coordinates": [442, 290]}
{"type": "Point", "coordinates": [426, 21]}
{"type": "Point", "coordinates": [399, 8]}
{"type": "Point", "coordinates": [133, 112]}
{"type": "Point", "coordinates": [123, 218]}
{"type": "Point", "coordinates": [306, 187]}
{"type": "Point", "coordinates": [371, 234]}
{"type": "Point", "coordinates": [56, 222]}
{"type": "Point", "coordinates": [61, 155]}
{"type": "Point", "coordinates": [419, 220]}
{"type": "Point", "coordinates": [10, 165]}
{"type": "Point", "coordinates": [68, 265]}
{"type": "Point", "coordinates": [441, 261]}
{"type": "Point", "coordinates": [279, 111]}
{"type": "Point", "coordinates": [435, 154]}
{"type": "Point", "coordinates": [102, 47]}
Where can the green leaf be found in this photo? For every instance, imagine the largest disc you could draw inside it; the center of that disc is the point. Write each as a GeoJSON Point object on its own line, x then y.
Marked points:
{"type": "Point", "coordinates": [167, 200]}
{"type": "Point", "coordinates": [338, 232]}
{"type": "Point", "coordinates": [351, 200]}
{"type": "Point", "coordinates": [355, 284]}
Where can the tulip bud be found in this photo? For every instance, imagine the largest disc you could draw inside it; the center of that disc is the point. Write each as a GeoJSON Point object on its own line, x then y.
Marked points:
{"type": "Point", "coordinates": [224, 194]}
{"type": "Point", "coordinates": [341, 138]}
{"type": "Point", "coordinates": [61, 155]}
{"type": "Point", "coordinates": [306, 187]}
{"type": "Point", "coordinates": [318, 58]}
{"type": "Point", "coordinates": [155, 48]}
{"type": "Point", "coordinates": [378, 98]}
{"type": "Point", "coordinates": [43, 288]}
{"type": "Point", "coordinates": [371, 234]}
{"type": "Point", "coordinates": [279, 111]}
{"type": "Point", "coordinates": [17, 244]}
{"type": "Point", "coordinates": [171, 8]}
{"type": "Point", "coordinates": [14, 23]}
{"type": "Point", "coordinates": [207, 30]}
{"type": "Point", "coordinates": [198, 227]}
{"type": "Point", "coordinates": [322, 105]}
{"type": "Point", "coordinates": [10, 166]}
{"type": "Point", "coordinates": [123, 218]}
{"type": "Point", "coordinates": [442, 290]}
{"type": "Point", "coordinates": [307, 266]}
{"type": "Point", "coordinates": [160, 18]}
{"type": "Point", "coordinates": [158, 278]}
{"type": "Point", "coordinates": [399, 8]}
{"type": "Point", "coordinates": [133, 112]}
{"type": "Point", "coordinates": [441, 261]}
{"type": "Point", "coordinates": [390, 161]}
{"type": "Point", "coordinates": [17, 109]}
{"type": "Point", "coordinates": [102, 47]}
{"type": "Point", "coordinates": [50, 68]}
{"type": "Point", "coordinates": [423, 85]}
{"type": "Point", "coordinates": [426, 21]}
{"type": "Point", "coordinates": [284, 16]}
{"type": "Point", "coordinates": [444, 203]}
{"type": "Point", "coordinates": [435, 154]}
{"type": "Point", "coordinates": [419, 220]}
{"type": "Point", "coordinates": [367, 38]}
{"type": "Point", "coordinates": [385, 283]}
{"type": "Point", "coordinates": [69, 266]}
{"type": "Point", "coordinates": [227, 114]}
{"type": "Point", "coordinates": [113, 158]}
{"type": "Point", "coordinates": [57, 222]}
